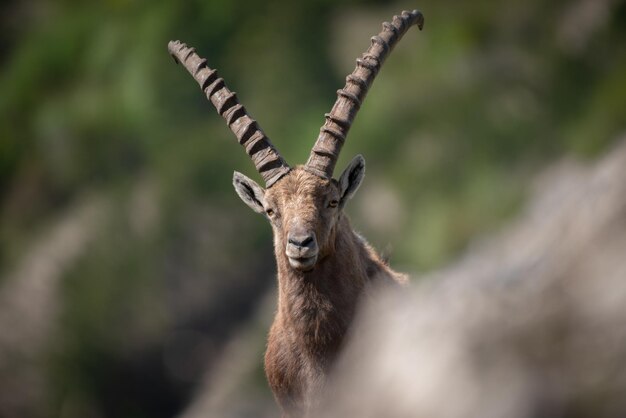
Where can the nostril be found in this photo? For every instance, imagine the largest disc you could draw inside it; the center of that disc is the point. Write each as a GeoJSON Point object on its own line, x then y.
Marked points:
{"type": "Point", "coordinates": [300, 241]}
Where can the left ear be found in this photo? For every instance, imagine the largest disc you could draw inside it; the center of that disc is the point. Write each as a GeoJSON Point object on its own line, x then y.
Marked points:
{"type": "Point", "coordinates": [351, 179]}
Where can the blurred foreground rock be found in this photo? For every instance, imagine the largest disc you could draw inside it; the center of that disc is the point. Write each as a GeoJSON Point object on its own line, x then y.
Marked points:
{"type": "Point", "coordinates": [529, 323]}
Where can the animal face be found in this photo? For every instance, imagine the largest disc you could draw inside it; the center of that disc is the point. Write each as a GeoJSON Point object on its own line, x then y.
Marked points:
{"type": "Point", "coordinates": [303, 210]}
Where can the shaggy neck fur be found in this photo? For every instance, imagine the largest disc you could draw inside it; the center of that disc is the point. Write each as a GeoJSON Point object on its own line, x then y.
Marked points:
{"type": "Point", "coordinates": [319, 305]}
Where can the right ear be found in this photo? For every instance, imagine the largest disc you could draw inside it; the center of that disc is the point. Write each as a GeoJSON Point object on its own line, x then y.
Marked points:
{"type": "Point", "coordinates": [250, 192]}
{"type": "Point", "coordinates": [351, 179]}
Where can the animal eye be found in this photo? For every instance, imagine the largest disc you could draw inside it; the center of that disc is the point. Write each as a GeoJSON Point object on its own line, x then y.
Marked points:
{"type": "Point", "coordinates": [269, 211]}
{"type": "Point", "coordinates": [333, 203]}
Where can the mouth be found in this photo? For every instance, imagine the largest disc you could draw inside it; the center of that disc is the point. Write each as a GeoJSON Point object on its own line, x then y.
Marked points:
{"type": "Point", "coordinates": [302, 263]}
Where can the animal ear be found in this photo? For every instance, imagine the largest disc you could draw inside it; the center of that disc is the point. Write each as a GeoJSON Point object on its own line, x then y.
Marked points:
{"type": "Point", "coordinates": [249, 191]}
{"type": "Point", "coordinates": [351, 178]}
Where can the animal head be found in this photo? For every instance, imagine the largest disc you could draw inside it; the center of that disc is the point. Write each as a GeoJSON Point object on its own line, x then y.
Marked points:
{"type": "Point", "coordinates": [303, 204]}
{"type": "Point", "coordinates": [303, 210]}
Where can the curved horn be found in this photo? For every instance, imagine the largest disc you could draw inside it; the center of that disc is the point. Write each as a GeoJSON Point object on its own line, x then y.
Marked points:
{"type": "Point", "coordinates": [266, 158]}
{"type": "Point", "coordinates": [333, 134]}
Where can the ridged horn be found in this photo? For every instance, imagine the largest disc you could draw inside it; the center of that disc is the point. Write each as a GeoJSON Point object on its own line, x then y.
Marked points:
{"type": "Point", "coordinates": [264, 155]}
{"type": "Point", "coordinates": [334, 131]}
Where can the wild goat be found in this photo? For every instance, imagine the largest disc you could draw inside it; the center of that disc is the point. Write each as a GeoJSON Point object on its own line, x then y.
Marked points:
{"type": "Point", "coordinates": [324, 267]}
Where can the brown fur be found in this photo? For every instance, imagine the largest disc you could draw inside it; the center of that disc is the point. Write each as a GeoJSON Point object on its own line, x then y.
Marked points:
{"type": "Point", "coordinates": [316, 307]}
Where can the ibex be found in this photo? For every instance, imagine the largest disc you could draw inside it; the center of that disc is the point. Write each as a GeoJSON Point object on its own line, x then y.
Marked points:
{"type": "Point", "coordinates": [324, 267]}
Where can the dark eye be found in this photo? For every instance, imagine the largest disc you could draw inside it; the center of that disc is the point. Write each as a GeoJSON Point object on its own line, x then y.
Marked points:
{"type": "Point", "coordinates": [269, 211]}
{"type": "Point", "coordinates": [333, 203]}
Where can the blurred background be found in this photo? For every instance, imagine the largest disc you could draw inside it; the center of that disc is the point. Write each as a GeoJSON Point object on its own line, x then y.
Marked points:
{"type": "Point", "coordinates": [134, 282]}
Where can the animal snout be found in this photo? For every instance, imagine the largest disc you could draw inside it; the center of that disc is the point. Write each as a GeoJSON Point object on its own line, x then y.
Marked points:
{"type": "Point", "coordinates": [301, 245]}
{"type": "Point", "coordinates": [301, 240]}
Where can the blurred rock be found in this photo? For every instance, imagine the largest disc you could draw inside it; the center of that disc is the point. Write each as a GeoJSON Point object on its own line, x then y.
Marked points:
{"type": "Point", "coordinates": [529, 323]}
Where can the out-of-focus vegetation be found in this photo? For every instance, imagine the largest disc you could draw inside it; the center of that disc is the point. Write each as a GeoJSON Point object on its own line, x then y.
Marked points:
{"type": "Point", "coordinates": [166, 262]}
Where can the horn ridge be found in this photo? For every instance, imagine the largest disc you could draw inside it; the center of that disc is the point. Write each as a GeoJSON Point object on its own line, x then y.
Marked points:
{"type": "Point", "coordinates": [264, 155]}
{"type": "Point", "coordinates": [332, 135]}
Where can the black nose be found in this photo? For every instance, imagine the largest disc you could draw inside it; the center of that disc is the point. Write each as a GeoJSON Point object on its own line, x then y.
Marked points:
{"type": "Point", "coordinates": [300, 240]}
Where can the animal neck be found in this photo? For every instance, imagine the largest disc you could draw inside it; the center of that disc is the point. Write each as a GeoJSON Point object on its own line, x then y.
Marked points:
{"type": "Point", "coordinates": [319, 305]}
